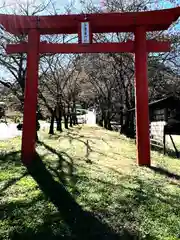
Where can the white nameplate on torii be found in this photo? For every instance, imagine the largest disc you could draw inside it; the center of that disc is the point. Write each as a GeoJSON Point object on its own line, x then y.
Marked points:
{"type": "Point", "coordinates": [85, 35]}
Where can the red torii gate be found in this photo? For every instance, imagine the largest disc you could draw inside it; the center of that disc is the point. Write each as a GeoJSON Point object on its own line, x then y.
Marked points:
{"type": "Point", "coordinates": [85, 25]}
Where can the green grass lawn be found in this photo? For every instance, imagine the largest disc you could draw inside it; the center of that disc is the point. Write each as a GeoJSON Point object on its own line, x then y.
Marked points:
{"type": "Point", "coordinates": [98, 169]}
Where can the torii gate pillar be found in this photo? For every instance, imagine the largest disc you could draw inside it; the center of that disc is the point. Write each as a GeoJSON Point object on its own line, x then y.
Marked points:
{"type": "Point", "coordinates": [142, 109]}
{"type": "Point", "coordinates": [30, 98]}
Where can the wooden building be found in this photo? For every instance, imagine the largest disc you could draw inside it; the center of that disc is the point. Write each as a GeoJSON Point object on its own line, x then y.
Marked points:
{"type": "Point", "coordinates": [164, 116]}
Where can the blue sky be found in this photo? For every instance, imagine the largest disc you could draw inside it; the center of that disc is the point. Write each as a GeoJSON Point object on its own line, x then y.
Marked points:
{"type": "Point", "coordinates": [168, 3]}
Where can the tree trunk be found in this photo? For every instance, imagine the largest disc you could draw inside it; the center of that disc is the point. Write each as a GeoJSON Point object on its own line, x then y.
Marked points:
{"type": "Point", "coordinates": [108, 121]}
{"type": "Point", "coordinates": [66, 121]}
{"type": "Point", "coordinates": [121, 117]}
{"type": "Point", "coordinates": [105, 121]}
{"type": "Point", "coordinates": [101, 122]}
{"type": "Point", "coordinates": [59, 120]}
{"type": "Point", "coordinates": [71, 121]}
{"type": "Point", "coordinates": [69, 116]}
{"type": "Point", "coordinates": [109, 127]}
{"type": "Point", "coordinates": [58, 123]}
{"type": "Point", "coordinates": [75, 120]}
{"type": "Point", "coordinates": [51, 129]}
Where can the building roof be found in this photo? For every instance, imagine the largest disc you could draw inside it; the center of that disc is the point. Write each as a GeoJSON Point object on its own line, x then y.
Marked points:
{"type": "Point", "coordinates": [168, 101]}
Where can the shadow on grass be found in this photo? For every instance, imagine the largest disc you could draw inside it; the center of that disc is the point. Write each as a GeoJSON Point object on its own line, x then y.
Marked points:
{"type": "Point", "coordinates": [87, 142]}
{"type": "Point", "coordinates": [64, 170]}
{"type": "Point", "coordinates": [11, 182]}
{"type": "Point", "coordinates": [165, 172]}
{"type": "Point", "coordinates": [10, 158]}
{"type": "Point", "coordinates": [133, 204]}
{"type": "Point", "coordinates": [169, 152]}
{"type": "Point", "coordinates": [83, 225]}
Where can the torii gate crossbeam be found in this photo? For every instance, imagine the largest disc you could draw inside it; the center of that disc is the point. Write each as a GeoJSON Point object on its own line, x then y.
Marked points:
{"type": "Point", "coordinates": [85, 25]}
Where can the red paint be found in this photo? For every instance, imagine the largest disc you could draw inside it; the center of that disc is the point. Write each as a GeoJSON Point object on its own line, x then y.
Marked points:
{"type": "Point", "coordinates": [142, 110]}
{"type": "Point", "coordinates": [139, 23]}
{"type": "Point", "coordinates": [90, 33]}
{"type": "Point", "coordinates": [30, 98]}
{"type": "Point", "coordinates": [152, 46]}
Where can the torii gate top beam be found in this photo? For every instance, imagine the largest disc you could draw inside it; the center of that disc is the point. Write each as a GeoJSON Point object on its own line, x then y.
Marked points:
{"type": "Point", "coordinates": [100, 23]}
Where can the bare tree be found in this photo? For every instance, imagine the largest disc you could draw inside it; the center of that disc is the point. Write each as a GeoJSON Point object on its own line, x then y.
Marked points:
{"type": "Point", "coordinates": [58, 88]}
{"type": "Point", "coordinates": [121, 76]}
